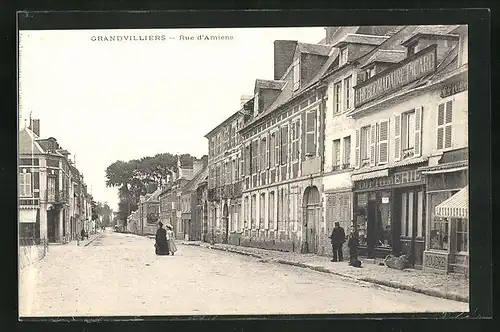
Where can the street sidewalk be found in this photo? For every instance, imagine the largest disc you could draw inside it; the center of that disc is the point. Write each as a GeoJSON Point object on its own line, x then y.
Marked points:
{"type": "Point", "coordinates": [451, 286]}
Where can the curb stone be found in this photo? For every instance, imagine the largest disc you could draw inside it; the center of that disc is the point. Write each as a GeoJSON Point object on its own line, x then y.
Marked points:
{"type": "Point", "coordinates": [429, 292]}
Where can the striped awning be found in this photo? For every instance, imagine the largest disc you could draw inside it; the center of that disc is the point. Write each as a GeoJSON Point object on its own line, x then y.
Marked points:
{"type": "Point", "coordinates": [457, 206]}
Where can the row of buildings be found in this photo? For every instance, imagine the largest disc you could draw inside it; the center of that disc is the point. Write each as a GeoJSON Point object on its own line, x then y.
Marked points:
{"type": "Point", "coordinates": [368, 127]}
{"type": "Point", "coordinates": [176, 202]}
{"type": "Point", "coordinates": [54, 202]}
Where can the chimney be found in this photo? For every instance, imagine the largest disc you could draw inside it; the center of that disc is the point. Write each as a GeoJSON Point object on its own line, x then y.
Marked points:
{"type": "Point", "coordinates": [283, 56]}
{"type": "Point", "coordinates": [244, 99]}
{"type": "Point", "coordinates": [35, 126]}
{"type": "Point", "coordinates": [330, 32]}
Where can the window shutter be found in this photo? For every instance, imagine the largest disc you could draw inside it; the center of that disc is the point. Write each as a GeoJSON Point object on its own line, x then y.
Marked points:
{"type": "Point", "coordinates": [310, 133]}
{"type": "Point", "coordinates": [373, 144]}
{"type": "Point", "coordinates": [418, 132]}
{"type": "Point", "coordinates": [397, 138]}
{"type": "Point", "coordinates": [448, 121]}
{"type": "Point", "coordinates": [383, 142]}
{"type": "Point", "coordinates": [440, 130]}
{"type": "Point", "coordinates": [357, 148]}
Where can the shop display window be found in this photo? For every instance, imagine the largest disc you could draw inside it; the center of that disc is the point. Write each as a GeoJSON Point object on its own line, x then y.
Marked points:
{"type": "Point", "coordinates": [462, 243]}
{"type": "Point", "coordinates": [439, 234]}
{"type": "Point", "coordinates": [383, 222]}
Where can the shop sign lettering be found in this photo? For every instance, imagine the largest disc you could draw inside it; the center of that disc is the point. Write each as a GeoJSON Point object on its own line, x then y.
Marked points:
{"type": "Point", "coordinates": [386, 181]}
{"type": "Point", "coordinates": [423, 64]}
{"type": "Point", "coordinates": [454, 88]}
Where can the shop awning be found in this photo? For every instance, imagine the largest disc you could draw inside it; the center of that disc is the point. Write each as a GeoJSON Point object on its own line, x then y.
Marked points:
{"type": "Point", "coordinates": [446, 170]}
{"type": "Point", "coordinates": [370, 175]}
{"type": "Point", "coordinates": [27, 216]}
{"type": "Point", "coordinates": [457, 206]}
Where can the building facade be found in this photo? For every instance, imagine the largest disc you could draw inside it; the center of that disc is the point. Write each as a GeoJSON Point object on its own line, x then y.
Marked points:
{"type": "Point", "coordinates": [395, 121]}
{"type": "Point", "coordinates": [46, 188]}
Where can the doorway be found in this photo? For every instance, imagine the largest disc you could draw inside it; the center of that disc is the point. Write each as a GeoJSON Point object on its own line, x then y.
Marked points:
{"type": "Point", "coordinates": [311, 208]}
{"type": "Point", "coordinates": [52, 223]}
{"type": "Point", "coordinates": [371, 228]}
{"type": "Point", "coordinates": [205, 222]}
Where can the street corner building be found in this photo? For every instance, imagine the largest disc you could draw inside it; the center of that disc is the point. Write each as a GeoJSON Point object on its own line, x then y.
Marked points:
{"type": "Point", "coordinates": [368, 127]}
{"type": "Point", "coordinates": [54, 203]}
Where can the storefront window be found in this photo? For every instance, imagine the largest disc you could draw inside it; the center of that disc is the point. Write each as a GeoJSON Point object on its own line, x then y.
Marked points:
{"type": "Point", "coordinates": [384, 237]}
{"type": "Point", "coordinates": [439, 234]}
{"type": "Point", "coordinates": [462, 234]}
{"type": "Point", "coordinates": [361, 218]}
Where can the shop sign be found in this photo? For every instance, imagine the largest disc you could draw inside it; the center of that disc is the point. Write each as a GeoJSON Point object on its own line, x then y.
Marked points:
{"type": "Point", "coordinates": [385, 200]}
{"type": "Point", "coordinates": [454, 88]}
{"type": "Point", "coordinates": [413, 176]}
{"type": "Point", "coordinates": [420, 65]}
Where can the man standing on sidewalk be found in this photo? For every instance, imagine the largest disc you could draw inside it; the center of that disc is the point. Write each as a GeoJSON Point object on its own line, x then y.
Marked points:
{"type": "Point", "coordinates": [338, 239]}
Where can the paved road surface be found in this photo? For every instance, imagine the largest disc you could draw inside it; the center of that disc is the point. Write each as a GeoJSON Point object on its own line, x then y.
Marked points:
{"type": "Point", "coordinates": [119, 275]}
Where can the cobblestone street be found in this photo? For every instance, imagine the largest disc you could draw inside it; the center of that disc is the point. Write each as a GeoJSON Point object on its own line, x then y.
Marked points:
{"type": "Point", "coordinates": [119, 275]}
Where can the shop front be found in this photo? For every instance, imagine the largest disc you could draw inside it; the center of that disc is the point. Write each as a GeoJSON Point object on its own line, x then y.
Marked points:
{"type": "Point", "coordinates": [389, 207]}
{"type": "Point", "coordinates": [447, 247]}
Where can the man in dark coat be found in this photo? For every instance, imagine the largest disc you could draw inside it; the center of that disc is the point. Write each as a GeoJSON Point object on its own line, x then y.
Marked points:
{"type": "Point", "coordinates": [337, 238]}
{"type": "Point", "coordinates": [161, 245]}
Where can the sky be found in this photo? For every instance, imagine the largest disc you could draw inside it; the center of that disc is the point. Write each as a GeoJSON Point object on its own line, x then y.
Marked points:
{"type": "Point", "coordinates": [109, 100]}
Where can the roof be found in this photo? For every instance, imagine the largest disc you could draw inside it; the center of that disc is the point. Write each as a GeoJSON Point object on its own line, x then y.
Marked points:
{"type": "Point", "coordinates": [269, 84]}
{"type": "Point", "coordinates": [154, 196]}
{"type": "Point", "coordinates": [192, 184]}
{"type": "Point", "coordinates": [27, 143]}
{"type": "Point", "coordinates": [432, 30]}
{"type": "Point", "coordinates": [354, 38]}
{"type": "Point", "coordinates": [318, 49]}
{"type": "Point", "coordinates": [231, 117]}
{"type": "Point", "coordinates": [386, 56]}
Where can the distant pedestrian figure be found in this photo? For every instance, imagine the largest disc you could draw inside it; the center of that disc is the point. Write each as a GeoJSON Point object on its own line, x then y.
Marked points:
{"type": "Point", "coordinates": [353, 244]}
{"type": "Point", "coordinates": [82, 234]}
{"type": "Point", "coordinates": [337, 238]}
{"type": "Point", "coordinates": [170, 239]}
{"type": "Point", "coordinates": [161, 244]}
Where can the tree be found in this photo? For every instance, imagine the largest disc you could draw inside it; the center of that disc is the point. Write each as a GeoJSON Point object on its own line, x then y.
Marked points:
{"type": "Point", "coordinates": [135, 177]}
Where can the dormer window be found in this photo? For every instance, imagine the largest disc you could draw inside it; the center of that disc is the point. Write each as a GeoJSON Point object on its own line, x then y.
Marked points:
{"type": "Point", "coordinates": [370, 72]}
{"type": "Point", "coordinates": [343, 56]}
{"type": "Point", "coordinates": [296, 74]}
{"type": "Point", "coordinates": [410, 49]}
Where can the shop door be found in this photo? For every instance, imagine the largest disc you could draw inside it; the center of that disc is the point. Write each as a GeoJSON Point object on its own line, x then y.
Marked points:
{"type": "Point", "coordinates": [413, 225]}
{"type": "Point", "coordinates": [311, 202]}
{"type": "Point", "coordinates": [51, 225]}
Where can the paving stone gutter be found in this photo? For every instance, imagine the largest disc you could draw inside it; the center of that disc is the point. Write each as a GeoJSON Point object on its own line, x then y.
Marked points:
{"type": "Point", "coordinates": [387, 283]}
{"type": "Point", "coordinates": [98, 235]}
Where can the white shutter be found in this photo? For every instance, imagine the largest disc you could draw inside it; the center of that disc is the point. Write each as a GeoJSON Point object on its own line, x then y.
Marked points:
{"type": "Point", "coordinates": [397, 137]}
{"type": "Point", "coordinates": [448, 124]}
{"type": "Point", "coordinates": [418, 132]}
{"type": "Point", "coordinates": [440, 127]}
{"type": "Point", "coordinates": [357, 152]}
{"type": "Point", "coordinates": [383, 142]}
{"type": "Point", "coordinates": [373, 144]}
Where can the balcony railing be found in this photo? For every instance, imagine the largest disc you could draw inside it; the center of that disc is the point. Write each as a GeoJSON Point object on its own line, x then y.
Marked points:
{"type": "Point", "coordinates": [56, 197]}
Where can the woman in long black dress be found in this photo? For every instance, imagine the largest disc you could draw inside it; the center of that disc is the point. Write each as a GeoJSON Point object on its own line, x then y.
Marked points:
{"type": "Point", "coordinates": [161, 245]}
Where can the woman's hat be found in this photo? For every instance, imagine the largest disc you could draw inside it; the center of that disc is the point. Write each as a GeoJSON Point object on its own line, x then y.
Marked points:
{"type": "Point", "coordinates": [169, 226]}
{"type": "Point", "coordinates": [160, 224]}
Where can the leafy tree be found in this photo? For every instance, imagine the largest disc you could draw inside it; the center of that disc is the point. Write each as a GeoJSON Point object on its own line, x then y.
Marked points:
{"type": "Point", "coordinates": [140, 176]}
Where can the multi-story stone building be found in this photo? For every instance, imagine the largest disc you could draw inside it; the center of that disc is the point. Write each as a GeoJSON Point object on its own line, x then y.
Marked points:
{"type": "Point", "coordinates": [224, 181]}
{"type": "Point", "coordinates": [46, 175]}
{"type": "Point", "coordinates": [397, 129]}
{"type": "Point", "coordinates": [191, 218]}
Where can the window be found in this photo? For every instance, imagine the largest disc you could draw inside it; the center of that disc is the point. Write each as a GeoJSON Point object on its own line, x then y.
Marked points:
{"type": "Point", "coordinates": [383, 142]}
{"type": "Point", "coordinates": [24, 184]}
{"type": "Point", "coordinates": [407, 214]}
{"type": "Point", "coordinates": [262, 207]}
{"type": "Point", "coordinates": [247, 212]}
{"type": "Point", "coordinates": [277, 149]}
{"type": "Point", "coordinates": [296, 74]}
{"type": "Point", "coordinates": [343, 56]}
{"type": "Point", "coordinates": [254, 211]}
{"type": "Point", "coordinates": [255, 157]}
{"type": "Point", "coordinates": [347, 152]}
{"type": "Point", "coordinates": [270, 223]}
{"type": "Point", "coordinates": [337, 92]}
{"type": "Point", "coordinates": [311, 133]}
{"type": "Point", "coordinates": [410, 49]}
{"type": "Point", "coordinates": [263, 154]}
{"type": "Point", "coordinates": [295, 140]}
{"type": "Point", "coordinates": [364, 146]}
{"type": "Point", "coordinates": [336, 154]}
{"type": "Point", "coordinates": [284, 145]}
{"type": "Point", "coordinates": [408, 134]}
{"type": "Point", "coordinates": [462, 235]}
{"type": "Point", "coordinates": [420, 212]}
{"type": "Point", "coordinates": [444, 125]}
{"type": "Point", "coordinates": [370, 72]}
{"type": "Point", "coordinates": [51, 188]}
{"type": "Point", "coordinates": [280, 210]}
{"type": "Point", "coordinates": [235, 171]}
{"type": "Point", "coordinates": [348, 92]}
{"type": "Point", "coordinates": [272, 150]}
{"type": "Point", "coordinates": [439, 234]}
